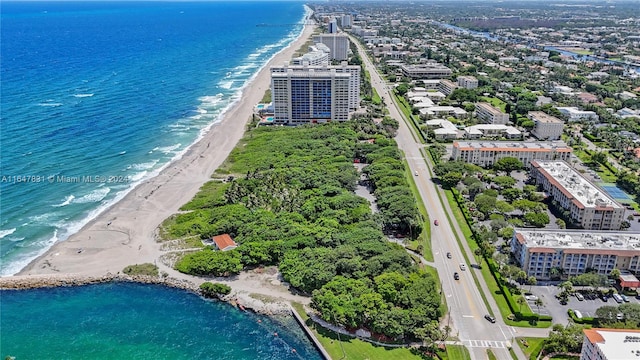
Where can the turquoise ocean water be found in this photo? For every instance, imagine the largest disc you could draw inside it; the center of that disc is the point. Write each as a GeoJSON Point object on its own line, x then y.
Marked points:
{"type": "Point", "coordinates": [98, 96]}
{"type": "Point", "coordinates": [135, 321]}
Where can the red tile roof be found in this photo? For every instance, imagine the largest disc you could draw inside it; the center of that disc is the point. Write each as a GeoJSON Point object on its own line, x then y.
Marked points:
{"type": "Point", "coordinates": [224, 242]}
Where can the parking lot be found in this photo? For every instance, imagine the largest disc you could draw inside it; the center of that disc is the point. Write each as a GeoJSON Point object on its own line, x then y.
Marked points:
{"type": "Point", "coordinates": [552, 305]}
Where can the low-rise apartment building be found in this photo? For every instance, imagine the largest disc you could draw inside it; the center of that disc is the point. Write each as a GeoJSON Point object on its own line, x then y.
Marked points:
{"type": "Point", "coordinates": [467, 82]}
{"type": "Point", "coordinates": [610, 344]}
{"type": "Point", "coordinates": [486, 153]}
{"type": "Point", "coordinates": [575, 114]}
{"type": "Point", "coordinates": [490, 115]}
{"type": "Point", "coordinates": [574, 251]}
{"type": "Point", "coordinates": [492, 131]}
{"type": "Point", "coordinates": [432, 70]}
{"type": "Point", "coordinates": [588, 205]}
{"type": "Point", "coordinates": [546, 127]}
{"type": "Point", "coordinates": [446, 87]}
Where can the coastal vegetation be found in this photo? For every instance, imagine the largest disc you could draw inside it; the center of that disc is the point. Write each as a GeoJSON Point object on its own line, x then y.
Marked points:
{"type": "Point", "coordinates": [209, 289]}
{"type": "Point", "coordinates": [146, 269]}
{"type": "Point", "coordinates": [291, 203]}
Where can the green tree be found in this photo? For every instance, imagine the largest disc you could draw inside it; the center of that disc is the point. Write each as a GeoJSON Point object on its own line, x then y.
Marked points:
{"type": "Point", "coordinates": [485, 204]}
{"type": "Point", "coordinates": [451, 179]}
{"type": "Point", "coordinates": [539, 220]}
{"type": "Point", "coordinates": [512, 194]}
{"type": "Point", "coordinates": [214, 289]}
{"type": "Point", "coordinates": [504, 181]}
{"type": "Point", "coordinates": [508, 164]}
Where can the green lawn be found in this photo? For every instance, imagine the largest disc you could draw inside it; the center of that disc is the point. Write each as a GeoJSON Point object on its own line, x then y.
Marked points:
{"type": "Point", "coordinates": [457, 352]}
{"type": "Point", "coordinates": [425, 237]}
{"type": "Point", "coordinates": [534, 346]}
{"type": "Point", "coordinates": [375, 98]}
{"type": "Point", "coordinates": [491, 355]}
{"type": "Point", "coordinates": [347, 348]}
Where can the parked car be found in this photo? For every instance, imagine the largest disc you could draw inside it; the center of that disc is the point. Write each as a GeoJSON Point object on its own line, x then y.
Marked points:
{"type": "Point", "coordinates": [531, 297]}
{"type": "Point", "coordinates": [579, 297]}
{"type": "Point", "coordinates": [463, 267]}
{"type": "Point", "coordinates": [617, 298]}
{"type": "Point", "coordinates": [448, 255]}
{"type": "Point", "coordinates": [604, 298]}
{"type": "Point", "coordinates": [624, 297]}
{"type": "Point", "coordinates": [490, 318]}
{"type": "Point", "coordinates": [620, 316]}
{"type": "Point", "coordinates": [456, 276]}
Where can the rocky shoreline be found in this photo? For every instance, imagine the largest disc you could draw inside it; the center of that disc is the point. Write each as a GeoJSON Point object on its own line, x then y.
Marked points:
{"type": "Point", "coordinates": [238, 299]}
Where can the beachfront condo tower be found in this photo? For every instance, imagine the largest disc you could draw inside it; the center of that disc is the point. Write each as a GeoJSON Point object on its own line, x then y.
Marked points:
{"type": "Point", "coordinates": [303, 94]}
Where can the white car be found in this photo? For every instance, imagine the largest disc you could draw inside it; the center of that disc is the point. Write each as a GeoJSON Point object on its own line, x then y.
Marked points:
{"type": "Point", "coordinates": [416, 173]}
{"type": "Point", "coordinates": [463, 267]}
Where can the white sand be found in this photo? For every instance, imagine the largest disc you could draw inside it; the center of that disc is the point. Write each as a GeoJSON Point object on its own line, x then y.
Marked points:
{"type": "Point", "coordinates": [125, 233]}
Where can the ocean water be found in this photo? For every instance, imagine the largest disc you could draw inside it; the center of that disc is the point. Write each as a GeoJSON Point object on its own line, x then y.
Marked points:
{"type": "Point", "coordinates": [98, 96]}
{"type": "Point", "coordinates": [136, 321]}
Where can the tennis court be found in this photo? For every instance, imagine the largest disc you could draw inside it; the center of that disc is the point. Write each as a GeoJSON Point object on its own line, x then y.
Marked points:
{"type": "Point", "coordinates": [615, 192]}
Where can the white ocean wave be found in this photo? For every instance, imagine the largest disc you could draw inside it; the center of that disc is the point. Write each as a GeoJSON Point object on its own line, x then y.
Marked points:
{"type": "Point", "coordinates": [95, 196]}
{"type": "Point", "coordinates": [50, 104]}
{"type": "Point", "coordinates": [7, 232]}
{"type": "Point", "coordinates": [226, 84]}
{"type": "Point", "coordinates": [167, 149]}
{"type": "Point", "coordinates": [83, 95]}
{"type": "Point", "coordinates": [143, 166]}
{"type": "Point", "coordinates": [66, 201]}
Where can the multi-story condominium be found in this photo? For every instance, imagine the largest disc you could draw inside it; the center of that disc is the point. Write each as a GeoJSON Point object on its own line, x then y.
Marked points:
{"type": "Point", "coordinates": [492, 131]}
{"type": "Point", "coordinates": [588, 205]}
{"type": "Point", "coordinates": [310, 95]}
{"type": "Point", "coordinates": [490, 115]}
{"type": "Point", "coordinates": [337, 43]}
{"type": "Point", "coordinates": [345, 21]}
{"type": "Point", "coordinates": [486, 153]}
{"type": "Point", "coordinates": [610, 344]}
{"type": "Point", "coordinates": [574, 114]}
{"type": "Point", "coordinates": [429, 85]}
{"type": "Point", "coordinates": [443, 111]}
{"type": "Point", "coordinates": [352, 70]}
{"type": "Point", "coordinates": [432, 70]}
{"type": "Point", "coordinates": [575, 251]}
{"type": "Point", "coordinates": [446, 86]}
{"type": "Point", "coordinates": [319, 54]}
{"type": "Point", "coordinates": [333, 26]}
{"type": "Point", "coordinates": [467, 82]}
{"type": "Point", "coordinates": [546, 127]}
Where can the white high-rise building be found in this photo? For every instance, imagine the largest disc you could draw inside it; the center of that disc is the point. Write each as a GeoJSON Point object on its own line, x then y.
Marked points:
{"type": "Point", "coordinates": [546, 127]}
{"type": "Point", "coordinates": [610, 344]}
{"type": "Point", "coordinates": [337, 43]}
{"type": "Point", "coordinates": [333, 26]}
{"type": "Point", "coordinates": [346, 21]}
{"type": "Point", "coordinates": [314, 94]}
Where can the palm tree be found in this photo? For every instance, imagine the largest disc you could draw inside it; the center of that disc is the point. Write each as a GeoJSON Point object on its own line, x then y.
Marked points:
{"type": "Point", "coordinates": [531, 281]}
{"type": "Point", "coordinates": [538, 303]}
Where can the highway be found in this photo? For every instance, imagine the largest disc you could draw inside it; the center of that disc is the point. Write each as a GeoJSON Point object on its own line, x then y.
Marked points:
{"type": "Point", "coordinates": [466, 308]}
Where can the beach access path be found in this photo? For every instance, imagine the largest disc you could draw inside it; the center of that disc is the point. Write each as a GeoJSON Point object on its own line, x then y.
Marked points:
{"type": "Point", "coordinates": [125, 233]}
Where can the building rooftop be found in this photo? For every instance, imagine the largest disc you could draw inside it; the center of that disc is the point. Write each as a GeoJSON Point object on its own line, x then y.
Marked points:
{"type": "Point", "coordinates": [581, 189]}
{"type": "Point", "coordinates": [616, 344]}
{"type": "Point", "coordinates": [599, 241]}
{"type": "Point", "coordinates": [513, 145]}
{"type": "Point", "coordinates": [224, 242]}
{"type": "Point", "coordinates": [478, 129]}
{"type": "Point", "coordinates": [543, 117]}
{"type": "Point", "coordinates": [489, 108]}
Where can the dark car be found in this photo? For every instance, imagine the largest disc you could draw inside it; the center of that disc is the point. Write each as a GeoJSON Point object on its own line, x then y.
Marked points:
{"type": "Point", "coordinates": [490, 318]}
{"type": "Point", "coordinates": [448, 255]}
{"type": "Point", "coordinates": [604, 298]}
{"type": "Point", "coordinates": [456, 276]}
{"type": "Point", "coordinates": [436, 223]}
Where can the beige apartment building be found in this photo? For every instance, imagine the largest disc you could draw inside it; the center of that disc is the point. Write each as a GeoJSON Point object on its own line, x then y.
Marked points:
{"type": "Point", "coordinates": [589, 205]}
{"type": "Point", "coordinates": [431, 70]}
{"type": "Point", "coordinates": [467, 82]}
{"type": "Point", "coordinates": [574, 251]}
{"type": "Point", "coordinates": [446, 87]}
{"type": "Point", "coordinates": [546, 127]}
{"type": "Point", "coordinates": [486, 153]}
{"type": "Point", "coordinates": [610, 344]}
{"type": "Point", "coordinates": [490, 115]}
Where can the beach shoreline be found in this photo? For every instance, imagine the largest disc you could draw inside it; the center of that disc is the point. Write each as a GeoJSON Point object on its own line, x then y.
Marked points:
{"type": "Point", "coordinates": [125, 233]}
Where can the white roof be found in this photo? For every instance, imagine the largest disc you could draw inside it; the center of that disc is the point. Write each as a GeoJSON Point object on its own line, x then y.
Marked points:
{"type": "Point", "coordinates": [579, 239]}
{"type": "Point", "coordinates": [577, 185]}
{"type": "Point", "coordinates": [478, 129]}
{"type": "Point", "coordinates": [619, 345]}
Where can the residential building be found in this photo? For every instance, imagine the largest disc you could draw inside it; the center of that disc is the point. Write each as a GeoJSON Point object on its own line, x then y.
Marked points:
{"type": "Point", "coordinates": [443, 129]}
{"type": "Point", "coordinates": [446, 86]}
{"type": "Point", "coordinates": [490, 115]}
{"type": "Point", "coordinates": [319, 54]}
{"type": "Point", "coordinates": [610, 344]}
{"type": "Point", "coordinates": [431, 70]}
{"type": "Point", "coordinates": [337, 43]}
{"type": "Point", "coordinates": [467, 82]}
{"type": "Point", "coordinates": [574, 114]}
{"type": "Point", "coordinates": [572, 252]}
{"type": "Point", "coordinates": [588, 205]}
{"type": "Point", "coordinates": [224, 242]}
{"type": "Point", "coordinates": [546, 127]}
{"type": "Point", "coordinates": [626, 112]}
{"type": "Point", "coordinates": [332, 27]}
{"type": "Point", "coordinates": [442, 111]}
{"type": "Point", "coordinates": [346, 21]}
{"type": "Point", "coordinates": [492, 131]}
{"type": "Point", "coordinates": [352, 70]}
{"type": "Point", "coordinates": [310, 95]}
{"type": "Point", "coordinates": [486, 153]}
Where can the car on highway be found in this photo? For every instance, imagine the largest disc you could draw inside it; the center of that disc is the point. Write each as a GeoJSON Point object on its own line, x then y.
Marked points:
{"type": "Point", "coordinates": [463, 267]}
{"type": "Point", "coordinates": [436, 223]}
{"type": "Point", "coordinates": [490, 318]}
{"type": "Point", "coordinates": [416, 173]}
{"type": "Point", "coordinates": [448, 255]}
{"type": "Point", "coordinates": [456, 276]}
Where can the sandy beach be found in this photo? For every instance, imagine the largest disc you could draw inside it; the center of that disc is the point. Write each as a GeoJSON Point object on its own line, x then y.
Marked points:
{"type": "Point", "coordinates": [125, 233]}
